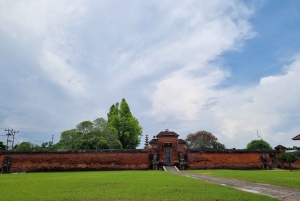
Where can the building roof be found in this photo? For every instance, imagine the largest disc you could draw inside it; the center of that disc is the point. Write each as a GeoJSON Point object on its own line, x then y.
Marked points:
{"type": "Point", "coordinates": [153, 141]}
{"type": "Point", "coordinates": [296, 137]}
{"type": "Point", "coordinates": [167, 133]}
{"type": "Point", "coordinates": [278, 147]}
{"type": "Point", "coordinates": [181, 141]}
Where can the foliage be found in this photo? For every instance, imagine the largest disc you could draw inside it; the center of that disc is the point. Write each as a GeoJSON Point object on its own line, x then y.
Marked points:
{"type": "Point", "coordinates": [85, 127]}
{"type": "Point", "coordinates": [220, 146]}
{"type": "Point", "coordinates": [274, 177]}
{"type": "Point", "coordinates": [2, 146]}
{"type": "Point", "coordinates": [129, 130]}
{"type": "Point", "coordinates": [90, 135]}
{"type": "Point", "coordinates": [203, 140]}
{"type": "Point", "coordinates": [259, 144]}
{"type": "Point", "coordinates": [115, 185]}
{"type": "Point", "coordinates": [26, 146]}
{"type": "Point", "coordinates": [293, 148]}
{"type": "Point", "coordinates": [47, 145]}
{"type": "Point", "coordinates": [287, 157]}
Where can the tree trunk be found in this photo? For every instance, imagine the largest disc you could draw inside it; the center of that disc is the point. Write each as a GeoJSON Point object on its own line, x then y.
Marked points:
{"type": "Point", "coordinates": [291, 166]}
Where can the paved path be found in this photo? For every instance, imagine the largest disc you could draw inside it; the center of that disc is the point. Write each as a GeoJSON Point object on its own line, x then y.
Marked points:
{"type": "Point", "coordinates": [282, 193]}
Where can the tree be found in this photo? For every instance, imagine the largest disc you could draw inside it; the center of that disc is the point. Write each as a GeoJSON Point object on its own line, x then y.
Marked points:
{"type": "Point", "coordinates": [90, 135]}
{"type": "Point", "coordinates": [287, 157]}
{"type": "Point", "coordinates": [220, 146]}
{"type": "Point", "coordinates": [26, 146]}
{"type": "Point", "coordinates": [129, 130]}
{"type": "Point", "coordinates": [47, 145]}
{"type": "Point", "coordinates": [259, 144]}
{"type": "Point", "coordinates": [203, 140]}
{"type": "Point", "coordinates": [293, 148]}
{"type": "Point", "coordinates": [85, 127]}
{"type": "Point", "coordinates": [2, 146]}
{"type": "Point", "coordinates": [70, 139]}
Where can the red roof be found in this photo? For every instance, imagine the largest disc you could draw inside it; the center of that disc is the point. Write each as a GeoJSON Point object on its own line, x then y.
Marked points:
{"type": "Point", "coordinates": [296, 137]}
{"type": "Point", "coordinates": [167, 133]}
{"type": "Point", "coordinates": [153, 141]}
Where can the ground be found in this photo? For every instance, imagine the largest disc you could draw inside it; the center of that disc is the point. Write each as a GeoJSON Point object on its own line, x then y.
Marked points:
{"type": "Point", "coordinates": [115, 185]}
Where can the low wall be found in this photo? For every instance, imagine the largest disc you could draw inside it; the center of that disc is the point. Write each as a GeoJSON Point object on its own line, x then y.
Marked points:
{"type": "Point", "coordinates": [137, 159]}
{"type": "Point", "coordinates": [295, 165]}
{"type": "Point", "coordinates": [77, 160]}
{"type": "Point", "coordinates": [231, 159]}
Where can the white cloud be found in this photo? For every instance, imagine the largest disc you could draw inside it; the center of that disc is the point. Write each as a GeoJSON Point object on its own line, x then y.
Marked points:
{"type": "Point", "coordinates": [271, 107]}
{"type": "Point", "coordinates": [44, 24]}
{"type": "Point", "coordinates": [185, 39]}
{"type": "Point", "coordinates": [212, 30]}
{"type": "Point", "coordinates": [54, 62]}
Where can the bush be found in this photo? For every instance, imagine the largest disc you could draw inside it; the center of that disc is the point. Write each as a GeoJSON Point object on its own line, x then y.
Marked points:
{"type": "Point", "coordinates": [287, 157]}
{"type": "Point", "coordinates": [259, 144]}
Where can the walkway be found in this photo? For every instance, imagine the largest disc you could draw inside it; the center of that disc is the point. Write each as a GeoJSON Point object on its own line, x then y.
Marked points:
{"type": "Point", "coordinates": [282, 193]}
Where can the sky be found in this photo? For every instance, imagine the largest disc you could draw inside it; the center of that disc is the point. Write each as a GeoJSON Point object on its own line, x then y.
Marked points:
{"type": "Point", "coordinates": [228, 67]}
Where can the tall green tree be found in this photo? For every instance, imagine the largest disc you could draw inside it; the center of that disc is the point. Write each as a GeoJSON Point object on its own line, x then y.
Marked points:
{"type": "Point", "coordinates": [90, 135]}
{"type": "Point", "coordinates": [203, 140]}
{"type": "Point", "coordinates": [259, 144]}
{"type": "Point", "coordinates": [129, 130]}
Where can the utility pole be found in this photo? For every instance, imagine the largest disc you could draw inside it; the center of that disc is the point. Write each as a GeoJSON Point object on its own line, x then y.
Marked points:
{"type": "Point", "coordinates": [13, 140]}
{"type": "Point", "coordinates": [8, 135]}
{"type": "Point", "coordinates": [52, 140]}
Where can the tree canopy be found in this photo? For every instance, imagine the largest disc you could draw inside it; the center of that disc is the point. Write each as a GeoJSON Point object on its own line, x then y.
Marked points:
{"type": "Point", "coordinates": [203, 140]}
{"type": "Point", "coordinates": [25, 146]}
{"type": "Point", "coordinates": [127, 126]}
{"type": "Point", "coordinates": [293, 148]}
{"type": "Point", "coordinates": [287, 157]}
{"type": "Point", "coordinates": [90, 135]}
{"type": "Point", "coordinates": [259, 144]}
{"type": "Point", "coordinates": [2, 146]}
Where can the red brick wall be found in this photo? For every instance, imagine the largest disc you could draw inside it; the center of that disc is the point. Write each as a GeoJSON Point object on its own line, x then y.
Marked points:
{"type": "Point", "coordinates": [206, 160]}
{"type": "Point", "coordinates": [59, 161]}
{"type": "Point", "coordinates": [127, 160]}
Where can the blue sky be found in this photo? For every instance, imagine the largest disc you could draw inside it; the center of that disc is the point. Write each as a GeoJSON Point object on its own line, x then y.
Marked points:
{"type": "Point", "coordinates": [275, 24]}
{"type": "Point", "coordinates": [228, 67]}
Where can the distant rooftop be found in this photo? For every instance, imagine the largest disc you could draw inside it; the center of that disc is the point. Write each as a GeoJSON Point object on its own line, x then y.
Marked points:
{"type": "Point", "coordinates": [167, 133]}
{"type": "Point", "coordinates": [296, 137]}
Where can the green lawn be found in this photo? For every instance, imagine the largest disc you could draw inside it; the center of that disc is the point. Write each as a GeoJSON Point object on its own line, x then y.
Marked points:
{"type": "Point", "coordinates": [114, 185]}
{"type": "Point", "coordinates": [275, 177]}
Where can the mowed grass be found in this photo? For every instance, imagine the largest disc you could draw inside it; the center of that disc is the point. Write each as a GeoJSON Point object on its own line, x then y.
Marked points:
{"type": "Point", "coordinates": [114, 185]}
{"type": "Point", "coordinates": [275, 177]}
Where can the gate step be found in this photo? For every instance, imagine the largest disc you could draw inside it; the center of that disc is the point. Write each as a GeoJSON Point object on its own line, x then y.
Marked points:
{"type": "Point", "coordinates": [170, 168]}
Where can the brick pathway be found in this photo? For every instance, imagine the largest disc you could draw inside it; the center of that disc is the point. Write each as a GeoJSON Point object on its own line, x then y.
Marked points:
{"type": "Point", "coordinates": [282, 193]}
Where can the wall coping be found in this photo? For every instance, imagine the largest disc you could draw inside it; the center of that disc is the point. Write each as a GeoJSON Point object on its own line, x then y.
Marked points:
{"type": "Point", "coordinates": [66, 151]}
{"type": "Point", "coordinates": [231, 151]}
{"type": "Point", "coordinates": [62, 151]}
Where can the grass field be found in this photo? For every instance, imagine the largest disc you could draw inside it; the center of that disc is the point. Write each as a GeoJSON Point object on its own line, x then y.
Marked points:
{"type": "Point", "coordinates": [275, 177]}
{"type": "Point", "coordinates": [114, 185]}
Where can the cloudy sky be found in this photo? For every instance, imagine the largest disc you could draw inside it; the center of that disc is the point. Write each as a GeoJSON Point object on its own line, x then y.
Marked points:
{"type": "Point", "coordinates": [228, 67]}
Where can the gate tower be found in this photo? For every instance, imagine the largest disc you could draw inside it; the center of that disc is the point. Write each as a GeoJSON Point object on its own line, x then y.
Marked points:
{"type": "Point", "coordinates": [167, 146]}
